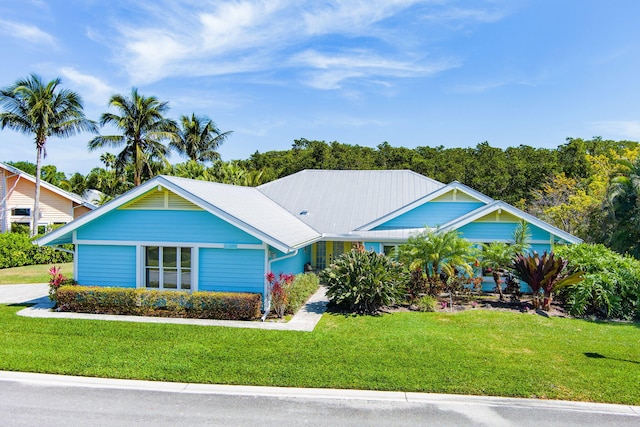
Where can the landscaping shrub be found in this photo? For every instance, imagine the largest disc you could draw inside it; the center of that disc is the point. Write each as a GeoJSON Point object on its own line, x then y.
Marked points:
{"type": "Point", "coordinates": [363, 281]}
{"type": "Point", "coordinates": [17, 250]}
{"type": "Point", "coordinates": [611, 285]}
{"type": "Point", "coordinates": [279, 291]}
{"type": "Point", "coordinates": [303, 286]}
{"type": "Point", "coordinates": [146, 302]}
{"type": "Point", "coordinates": [426, 303]}
{"type": "Point", "coordinates": [56, 281]}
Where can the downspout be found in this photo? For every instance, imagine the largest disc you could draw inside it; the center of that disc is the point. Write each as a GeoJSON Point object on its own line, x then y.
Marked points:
{"type": "Point", "coordinates": [267, 307]}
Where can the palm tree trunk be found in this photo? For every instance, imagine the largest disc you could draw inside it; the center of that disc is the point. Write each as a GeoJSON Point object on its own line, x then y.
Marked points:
{"type": "Point", "coordinates": [36, 202]}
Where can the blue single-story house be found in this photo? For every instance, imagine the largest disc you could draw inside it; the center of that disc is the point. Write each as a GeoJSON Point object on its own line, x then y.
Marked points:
{"type": "Point", "coordinates": [182, 234]}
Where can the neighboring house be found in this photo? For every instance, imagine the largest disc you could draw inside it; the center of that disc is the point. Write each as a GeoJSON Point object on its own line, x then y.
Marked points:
{"type": "Point", "coordinates": [17, 196]}
{"type": "Point", "coordinates": [176, 233]}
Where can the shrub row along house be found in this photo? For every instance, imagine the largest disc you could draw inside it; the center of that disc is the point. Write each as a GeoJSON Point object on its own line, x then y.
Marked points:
{"type": "Point", "coordinates": [176, 233]}
{"type": "Point", "coordinates": [17, 192]}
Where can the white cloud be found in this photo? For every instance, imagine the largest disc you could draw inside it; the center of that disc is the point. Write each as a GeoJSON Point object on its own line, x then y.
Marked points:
{"type": "Point", "coordinates": [94, 90]}
{"type": "Point", "coordinates": [619, 129]}
{"type": "Point", "coordinates": [26, 32]}
{"type": "Point", "coordinates": [330, 71]}
{"type": "Point", "coordinates": [212, 38]}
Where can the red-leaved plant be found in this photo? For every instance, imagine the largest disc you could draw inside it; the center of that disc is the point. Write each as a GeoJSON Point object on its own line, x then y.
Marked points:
{"type": "Point", "coordinates": [57, 279]}
{"type": "Point", "coordinates": [279, 291]}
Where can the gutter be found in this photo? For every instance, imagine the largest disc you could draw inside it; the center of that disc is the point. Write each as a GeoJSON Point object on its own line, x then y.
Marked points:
{"type": "Point", "coordinates": [267, 294]}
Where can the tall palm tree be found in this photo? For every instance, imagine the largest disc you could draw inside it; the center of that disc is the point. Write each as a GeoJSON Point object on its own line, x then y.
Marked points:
{"type": "Point", "coordinates": [144, 128]}
{"type": "Point", "coordinates": [199, 138]}
{"type": "Point", "coordinates": [44, 110]}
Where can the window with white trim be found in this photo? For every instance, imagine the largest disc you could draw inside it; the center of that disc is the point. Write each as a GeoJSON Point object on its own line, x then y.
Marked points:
{"type": "Point", "coordinates": [167, 267]}
{"type": "Point", "coordinates": [21, 212]}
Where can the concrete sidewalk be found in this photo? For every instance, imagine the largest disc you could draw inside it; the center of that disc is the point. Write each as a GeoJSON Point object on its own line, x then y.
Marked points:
{"type": "Point", "coordinates": [19, 294]}
{"type": "Point", "coordinates": [304, 320]}
{"type": "Point", "coordinates": [318, 393]}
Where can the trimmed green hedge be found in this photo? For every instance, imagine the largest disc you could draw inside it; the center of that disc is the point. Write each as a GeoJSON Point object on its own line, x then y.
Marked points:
{"type": "Point", "coordinates": [147, 302]}
{"type": "Point", "coordinates": [303, 286]}
{"type": "Point", "coordinates": [17, 250]}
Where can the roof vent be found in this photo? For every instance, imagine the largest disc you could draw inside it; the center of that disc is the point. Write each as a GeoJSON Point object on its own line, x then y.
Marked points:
{"type": "Point", "coordinates": [304, 213]}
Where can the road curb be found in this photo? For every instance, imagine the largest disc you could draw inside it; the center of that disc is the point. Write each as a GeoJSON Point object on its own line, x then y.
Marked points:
{"type": "Point", "coordinates": [53, 380]}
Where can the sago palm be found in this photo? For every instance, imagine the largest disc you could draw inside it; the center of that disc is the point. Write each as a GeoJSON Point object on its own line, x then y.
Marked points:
{"type": "Point", "coordinates": [44, 110]}
{"type": "Point", "coordinates": [144, 128]}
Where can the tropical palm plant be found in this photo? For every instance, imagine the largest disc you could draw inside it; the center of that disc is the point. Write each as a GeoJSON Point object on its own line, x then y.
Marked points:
{"type": "Point", "coordinates": [435, 252]}
{"type": "Point", "coordinates": [497, 256]}
{"type": "Point", "coordinates": [144, 128]}
{"type": "Point", "coordinates": [199, 138]}
{"type": "Point", "coordinates": [44, 110]}
{"type": "Point", "coordinates": [622, 209]}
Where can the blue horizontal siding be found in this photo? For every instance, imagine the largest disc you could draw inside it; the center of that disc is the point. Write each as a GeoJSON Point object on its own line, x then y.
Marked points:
{"type": "Point", "coordinates": [373, 246]}
{"type": "Point", "coordinates": [293, 265]}
{"type": "Point", "coordinates": [231, 270]}
{"type": "Point", "coordinates": [163, 226]}
{"type": "Point", "coordinates": [107, 265]}
{"type": "Point", "coordinates": [490, 231]}
{"type": "Point", "coordinates": [431, 214]}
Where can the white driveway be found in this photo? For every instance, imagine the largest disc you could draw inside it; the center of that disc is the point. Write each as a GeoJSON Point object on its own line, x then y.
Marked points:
{"type": "Point", "coordinates": [17, 294]}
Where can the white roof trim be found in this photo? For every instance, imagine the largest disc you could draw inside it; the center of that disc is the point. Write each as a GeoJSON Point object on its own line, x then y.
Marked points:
{"type": "Point", "coordinates": [429, 197]}
{"type": "Point", "coordinates": [71, 196]}
{"type": "Point", "coordinates": [147, 186]}
{"type": "Point", "coordinates": [486, 210]}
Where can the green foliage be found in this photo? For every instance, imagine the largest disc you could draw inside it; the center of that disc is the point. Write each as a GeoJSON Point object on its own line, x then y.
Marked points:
{"type": "Point", "coordinates": [146, 302]}
{"type": "Point", "coordinates": [546, 273]}
{"type": "Point", "coordinates": [17, 249]}
{"type": "Point", "coordinates": [436, 252]}
{"type": "Point", "coordinates": [279, 291]}
{"type": "Point", "coordinates": [611, 285]}
{"type": "Point", "coordinates": [303, 286]}
{"type": "Point", "coordinates": [57, 280]}
{"type": "Point", "coordinates": [426, 303]}
{"type": "Point", "coordinates": [144, 128]}
{"type": "Point", "coordinates": [363, 281]}
{"type": "Point", "coordinates": [198, 138]}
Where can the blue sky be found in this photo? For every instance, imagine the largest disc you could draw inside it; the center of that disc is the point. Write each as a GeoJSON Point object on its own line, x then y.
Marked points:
{"type": "Point", "coordinates": [409, 72]}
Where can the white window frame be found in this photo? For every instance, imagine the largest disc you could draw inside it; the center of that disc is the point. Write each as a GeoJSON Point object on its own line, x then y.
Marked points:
{"type": "Point", "coordinates": [161, 268]}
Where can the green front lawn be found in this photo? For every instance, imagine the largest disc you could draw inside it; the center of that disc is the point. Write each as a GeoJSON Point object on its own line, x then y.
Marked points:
{"type": "Point", "coordinates": [474, 352]}
{"type": "Point", "coordinates": [32, 273]}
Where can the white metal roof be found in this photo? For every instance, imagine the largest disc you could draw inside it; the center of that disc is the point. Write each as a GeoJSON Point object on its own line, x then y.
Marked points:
{"type": "Point", "coordinates": [244, 207]}
{"type": "Point", "coordinates": [339, 201]}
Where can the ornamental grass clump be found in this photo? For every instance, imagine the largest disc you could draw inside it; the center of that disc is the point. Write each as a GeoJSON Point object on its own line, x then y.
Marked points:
{"type": "Point", "coordinates": [364, 281]}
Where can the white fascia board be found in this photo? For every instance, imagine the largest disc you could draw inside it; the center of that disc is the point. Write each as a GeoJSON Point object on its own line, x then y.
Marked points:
{"type": "Point", "coordinates": [425, 199]}
{"type": "Point", "coordinates": [486, 210]}
{"type": "Point", "coordinates": [59, 191]}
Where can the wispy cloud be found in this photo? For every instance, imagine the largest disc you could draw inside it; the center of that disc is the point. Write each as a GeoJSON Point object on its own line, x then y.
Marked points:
{"type": "Point", "coordinates": [249, 36]}
{"type": "Point", "coordinates": [330, 71]}
{"type": "Point", "coordinates": [29, 33]}
{"type": "Point", "coordinates": [624, 129]}
{"type": "Point", "coordinates": [94, 89]}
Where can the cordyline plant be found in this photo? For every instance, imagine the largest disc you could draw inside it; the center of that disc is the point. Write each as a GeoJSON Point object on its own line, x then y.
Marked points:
{"type": "Point", "coordinates": [57, 279]}
{"type": "Point", "coordinates": [279, 291]}
{"type": "Point", "coordinates": [546, 273]}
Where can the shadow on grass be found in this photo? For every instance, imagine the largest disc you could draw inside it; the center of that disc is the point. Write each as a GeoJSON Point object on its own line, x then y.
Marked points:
{"type": "Point", "coordinates": [600, 356]}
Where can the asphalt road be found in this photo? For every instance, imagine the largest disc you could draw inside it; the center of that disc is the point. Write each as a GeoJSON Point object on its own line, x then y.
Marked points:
{"type": "Point", "coordinates": [37, 402]}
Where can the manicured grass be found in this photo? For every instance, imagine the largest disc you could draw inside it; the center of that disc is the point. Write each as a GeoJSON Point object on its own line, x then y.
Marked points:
{"type": "Point", "coordinates": [474, 352]}
{"type": "Point", "coordinates": [32, 273]}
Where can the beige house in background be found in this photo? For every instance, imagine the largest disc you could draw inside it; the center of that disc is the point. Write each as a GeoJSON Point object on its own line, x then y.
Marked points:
{"type": "Point", "coordinates": [17, 192]}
